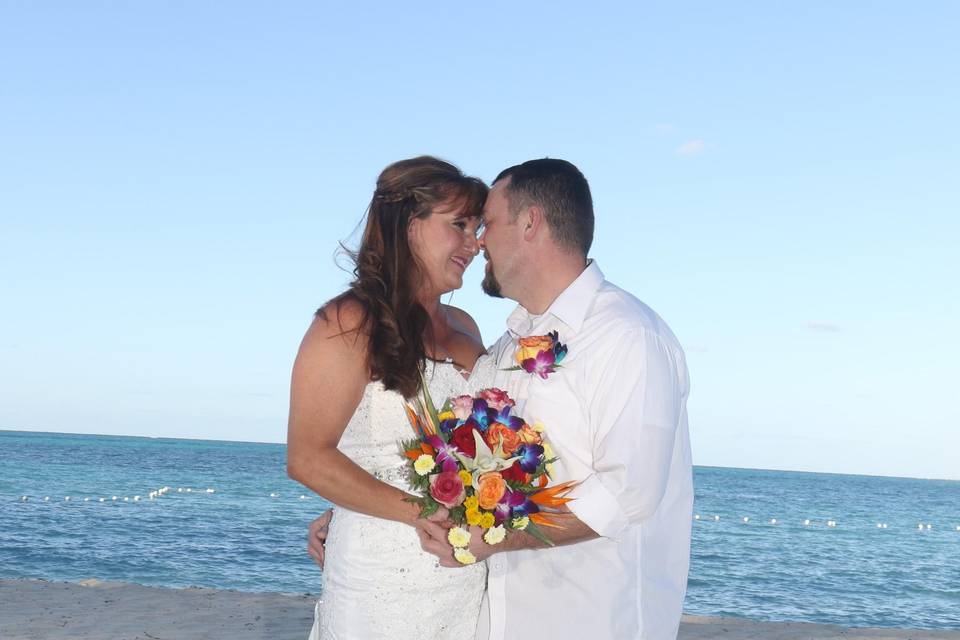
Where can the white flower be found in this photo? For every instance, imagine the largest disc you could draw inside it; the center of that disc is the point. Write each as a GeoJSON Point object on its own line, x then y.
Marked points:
{"type": "Point", "coordinates": [463, 556]}
{"type": "Point", "coordinates": [495, 535]}
{"type": "Point", "coordinates": [458, 537]}
{"type": "Point", "coordinates": [424, 464]}
{"type": "Point", "coordinates": [485, 460]}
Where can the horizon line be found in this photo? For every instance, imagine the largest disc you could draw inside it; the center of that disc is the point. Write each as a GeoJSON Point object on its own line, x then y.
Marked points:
{"type": "Point", "coordinates": [702, 466]}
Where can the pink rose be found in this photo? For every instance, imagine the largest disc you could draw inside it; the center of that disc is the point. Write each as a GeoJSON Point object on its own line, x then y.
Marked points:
{"type": "Point", "coordinates": [447, 489]}
{"type": "Point", "coordinates": [496, 399]}
{"type": "Point", "coordinates": [462, 407]}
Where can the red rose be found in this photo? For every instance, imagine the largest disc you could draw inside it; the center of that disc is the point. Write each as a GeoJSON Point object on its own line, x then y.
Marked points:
{"type": "Point", "coordinates": [516, 474]}
{"type": "Point", "coordinates": [447, 489]}
{"type": "Point", "coordinates": [496, 399]}
{"type": "Point", "coordinates": [462, 439]}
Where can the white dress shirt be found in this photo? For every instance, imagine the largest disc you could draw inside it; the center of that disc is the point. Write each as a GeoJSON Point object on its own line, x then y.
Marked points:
{"type": "Point", "coordinates": [615, 414]}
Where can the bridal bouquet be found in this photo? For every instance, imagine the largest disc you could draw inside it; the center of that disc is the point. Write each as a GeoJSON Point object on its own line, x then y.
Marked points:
{"type": "Point", "coordinates": [488, 467]}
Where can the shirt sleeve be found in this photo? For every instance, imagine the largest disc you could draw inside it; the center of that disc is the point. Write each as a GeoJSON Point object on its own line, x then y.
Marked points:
{"type": "Point", "coordinates": [635, 409]}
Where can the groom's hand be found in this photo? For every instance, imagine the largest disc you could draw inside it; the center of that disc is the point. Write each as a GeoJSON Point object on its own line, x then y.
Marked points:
{"type": "Point", "coordinates": [317, 536]}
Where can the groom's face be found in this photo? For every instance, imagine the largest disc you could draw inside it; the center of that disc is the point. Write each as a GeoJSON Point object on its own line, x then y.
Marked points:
{"type": "Point", "coordinates": [498, 241]}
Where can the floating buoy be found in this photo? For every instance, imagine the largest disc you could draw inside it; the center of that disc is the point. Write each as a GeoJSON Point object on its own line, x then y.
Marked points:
{"type": "Point", "coordinates": [46, 498]}
{"type": "Point", "coordinates": [746, 518]}
{"type": "Point", "coordinates": [136, 498]}
{"type": "Point", "coordinates": [114, 498]}
{"type": "Point", "coordinates": [806, 523]}
{"type": "Point", "coordinates": [23, 498]}
{"type": "Point", "coordinates": [716, 518]}
{"type": "Point", "coordinates": [86, 499]}
{"type": "Point", "coordinates": [210, 491]}
{"type": "Point", "coordinates": [929, 526]}
{"type": "Point", "coordinates": [103, 499]}
{"type": "Point", "coordinates": [696, 517]}
{"type": "Point", "coordinates": [773, 521]}
{"type": "Point", "coordinates": [189, 490]}
{"type": "Point", "coordinates": [274, 495]}
{"type": "Point", "coordinates": [66, 498]}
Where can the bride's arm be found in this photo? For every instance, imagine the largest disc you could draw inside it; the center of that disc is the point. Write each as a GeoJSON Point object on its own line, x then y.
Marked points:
{"type": "Point", "coordinates": [329, 377]}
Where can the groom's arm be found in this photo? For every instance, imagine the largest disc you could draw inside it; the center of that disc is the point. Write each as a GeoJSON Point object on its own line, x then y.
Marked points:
{"type": "Point", "coordinates": [636, 402]}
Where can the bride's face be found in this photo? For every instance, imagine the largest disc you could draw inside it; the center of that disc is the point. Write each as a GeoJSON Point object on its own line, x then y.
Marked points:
{"type": "Point", "coordinates": [444, 244]}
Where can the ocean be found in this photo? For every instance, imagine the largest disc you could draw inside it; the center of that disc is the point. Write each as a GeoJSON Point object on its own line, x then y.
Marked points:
{"type": "Point", "coordinates": [843, 549]}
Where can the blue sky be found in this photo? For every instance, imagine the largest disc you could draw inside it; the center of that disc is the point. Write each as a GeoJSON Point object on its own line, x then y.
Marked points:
{"type": "Point", "coordinates": [778, 182]}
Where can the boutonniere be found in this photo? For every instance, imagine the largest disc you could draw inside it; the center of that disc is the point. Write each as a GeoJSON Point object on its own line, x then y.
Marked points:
{"type": "Point", "coordinates": [541, 355]}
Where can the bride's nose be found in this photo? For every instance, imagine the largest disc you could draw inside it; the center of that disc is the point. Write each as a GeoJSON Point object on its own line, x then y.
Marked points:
{"type": "Point", "coordinates": [472, 244]}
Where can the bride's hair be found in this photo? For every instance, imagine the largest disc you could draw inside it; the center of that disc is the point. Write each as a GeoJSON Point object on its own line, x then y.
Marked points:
{"type": "Point", "coordinates": [386, 272]}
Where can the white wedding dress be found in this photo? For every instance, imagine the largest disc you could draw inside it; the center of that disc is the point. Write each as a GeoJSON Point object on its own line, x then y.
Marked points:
{"type": "Point", "coordinates": [377, 581]}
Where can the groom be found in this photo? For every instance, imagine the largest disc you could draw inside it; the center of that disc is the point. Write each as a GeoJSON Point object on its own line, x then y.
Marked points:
{"type": "Point", "coordinates": [615, 415]}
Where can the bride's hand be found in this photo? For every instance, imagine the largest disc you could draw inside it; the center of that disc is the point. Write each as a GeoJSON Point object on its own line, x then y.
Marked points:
{"type": "Point", "coordinates": [317, 536]}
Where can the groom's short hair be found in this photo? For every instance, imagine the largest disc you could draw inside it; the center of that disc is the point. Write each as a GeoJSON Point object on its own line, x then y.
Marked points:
{"type": "Point", "coordinates": [563, 194]}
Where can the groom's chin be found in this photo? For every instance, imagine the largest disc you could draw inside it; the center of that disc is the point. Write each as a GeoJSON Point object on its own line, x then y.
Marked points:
{"type": "Point", "coordinates": [491, 287]}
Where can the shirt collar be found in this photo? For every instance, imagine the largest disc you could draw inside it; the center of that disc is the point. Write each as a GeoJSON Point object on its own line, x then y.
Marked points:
{"type": "Point", "coordinates": [570, 307]}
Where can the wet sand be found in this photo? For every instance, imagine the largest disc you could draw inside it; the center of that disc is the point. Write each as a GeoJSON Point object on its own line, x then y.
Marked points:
{"type": "Point", "coordinates": [38, 609]}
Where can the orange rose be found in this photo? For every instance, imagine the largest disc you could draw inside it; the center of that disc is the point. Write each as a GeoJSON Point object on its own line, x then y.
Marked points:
{"type": "Point", "coordinates": [528, 435]}
{"type": "Point", "coordinates": [490, 488]}
{"type": "Point", "coordinates": [530, 346]}
{"type": "Point", "coordinates": [498, 431]}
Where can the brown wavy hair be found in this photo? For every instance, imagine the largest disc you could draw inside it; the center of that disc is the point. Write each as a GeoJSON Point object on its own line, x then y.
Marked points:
{"type": "Point", "coordinates": [386, 273]}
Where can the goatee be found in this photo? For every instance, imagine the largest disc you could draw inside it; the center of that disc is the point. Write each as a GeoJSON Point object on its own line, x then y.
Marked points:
{"type": "Point", "coordinates": [490, 285]}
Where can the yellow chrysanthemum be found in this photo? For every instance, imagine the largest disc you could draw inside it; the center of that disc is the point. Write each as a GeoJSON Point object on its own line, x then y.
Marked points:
{"type": "Point", "coordinates": [521, 523]}
{"type": "Point", "coordinates": [458, 537]}
{"type": "Point", "coordinates": [495, 535]}
{"type": "Point", "coordinates": [424, 464]}
{"type": "Point", "coordinates": [464, 557]}
{"type": "Point", "coordinates": [538, 426]}
{"type": "Point", "coordinates": [473, 517]}
{"type": "Point", "coordinates": [472, 502]}
{"type": "Point", "coordinates": [466, 478]}
{"type": "Point", "coordinates": [486, 520]}
{"type": "Point", "coordinates": [446, 415]}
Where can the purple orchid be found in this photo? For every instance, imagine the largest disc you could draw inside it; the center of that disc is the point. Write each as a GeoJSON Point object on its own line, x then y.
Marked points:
{"type": "Point", "coordinates": [542, 365]}
{"type": "Point", "coordinates": [482, 415]}
{"type": "Point", "coordinates": [529, 455]}
{"type": "Point", "coordinates": [507, 420]}
{"type": "Point", "coordinates": [510, 501]}
{"type": "Point", "coordinates": [446, 452]}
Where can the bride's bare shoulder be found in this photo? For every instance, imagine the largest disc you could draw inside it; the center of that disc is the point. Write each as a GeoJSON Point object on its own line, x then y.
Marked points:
{"type": "Point", "coordinates": [464, 323]}
{"type": "Point", "coordinates": [338, 330]}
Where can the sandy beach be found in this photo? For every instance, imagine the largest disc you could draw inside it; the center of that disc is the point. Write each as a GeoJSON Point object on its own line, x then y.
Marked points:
{"type": "Point", "coordinates": [38, 609]}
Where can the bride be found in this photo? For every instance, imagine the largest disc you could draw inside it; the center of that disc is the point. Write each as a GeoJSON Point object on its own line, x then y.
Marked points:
{"type": "Point", "coordinates": [363, 354]}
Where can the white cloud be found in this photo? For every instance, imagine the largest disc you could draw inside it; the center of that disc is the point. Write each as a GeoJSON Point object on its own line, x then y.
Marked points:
{"type": "Point", "coordinates": [692, 148]}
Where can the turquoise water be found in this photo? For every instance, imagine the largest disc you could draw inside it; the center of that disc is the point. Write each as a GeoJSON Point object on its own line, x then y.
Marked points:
{"type": "Point", "coordinates": [249, 532]}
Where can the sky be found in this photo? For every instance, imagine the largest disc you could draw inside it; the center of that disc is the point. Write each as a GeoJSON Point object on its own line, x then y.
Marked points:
{"type": "Point", "coordinates": [777, 180]}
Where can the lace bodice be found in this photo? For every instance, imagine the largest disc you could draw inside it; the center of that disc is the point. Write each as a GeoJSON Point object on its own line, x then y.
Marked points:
{"type": "Point", "coordinates": [378, 582]}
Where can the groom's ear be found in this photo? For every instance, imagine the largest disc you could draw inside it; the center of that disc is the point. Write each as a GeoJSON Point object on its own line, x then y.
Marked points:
{"type": "Point", "coordinates": [534, 221]}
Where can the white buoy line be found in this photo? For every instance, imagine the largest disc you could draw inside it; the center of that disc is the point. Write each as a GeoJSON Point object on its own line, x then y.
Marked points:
{"type": "Point", "coordinates": [152, 495]}
{"type": "Point", "coordinates": [157, 494]}
{"type": "Point", "coordinates": [807, 522]}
